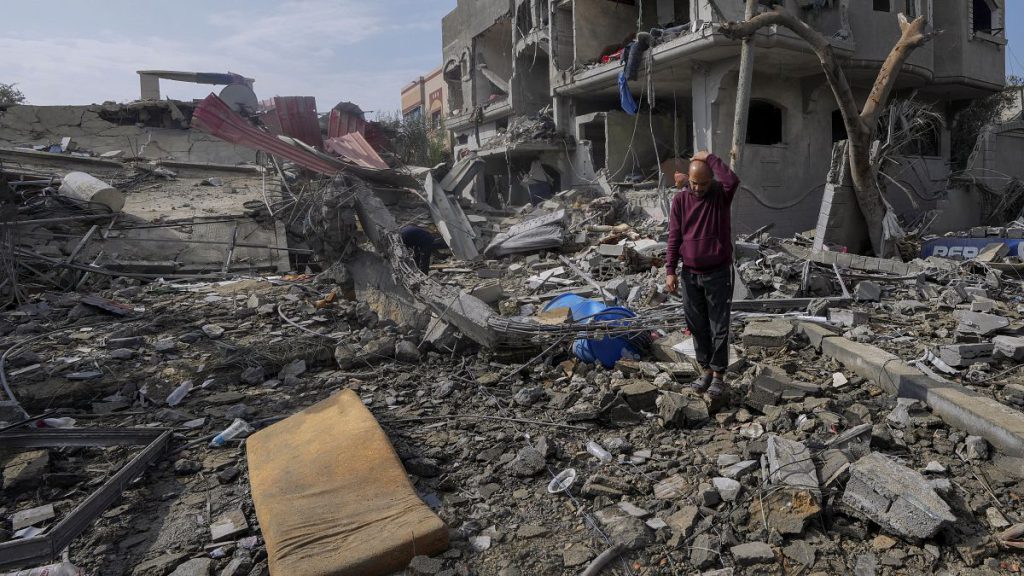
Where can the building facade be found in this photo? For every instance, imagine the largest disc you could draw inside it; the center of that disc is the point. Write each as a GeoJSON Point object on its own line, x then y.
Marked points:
{"type": "Point", "coordinates": [426, 97]}
{"type": "Point", "coordinates": [560, 61]}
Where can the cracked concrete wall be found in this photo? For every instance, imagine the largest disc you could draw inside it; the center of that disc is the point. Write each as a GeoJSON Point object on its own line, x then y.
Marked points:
{"type": "Point", "coordinates": [25, 126]}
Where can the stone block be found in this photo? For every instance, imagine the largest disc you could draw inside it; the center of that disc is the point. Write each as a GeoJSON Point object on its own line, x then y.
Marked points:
{"type": "Point", "coordinates": [847, 318]}
{"type": "Point", "coordinates": [641, 395]}
{"type": "Point", "coordinates": [31, 516]}
{"type": "Point", "coordinates": [867, 291]}
{"type": "Point", "coordinates": [772, 333]}
{"type": "Point", "coordinates": [489, 292]}
{"type": "Point", "coordinates": [25, 468]}
{"type": "Point", "coordinates": [895, 497]}
{"type": "Point", "coordinates": [979, 323]}
{"type": "Point", "coordinates": [963, 355]}
{"type": "Point", "coordinates": [1011, 347]}
{"type": "Point", "coordinates": [728, 488]}
{"type": "Point", "coordinates": [767, 388]}
{"type": "Point", "coordinates": [681, 410]}
{"type": "Point", "coordinates": [752, 553]}
{"type": "Point", "coordinates": [683, 521]}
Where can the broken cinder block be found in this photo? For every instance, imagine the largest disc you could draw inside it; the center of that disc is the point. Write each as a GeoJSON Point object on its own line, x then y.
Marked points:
{"type": "Point", "coordinates": [895, 497]}
{"type": "Point", "coordinates": [963, 355]}
{"type": "Point", "coordinates": [1011, 347]}
{"type": "Point", "coordinates": [682, 411]}
{"type": "Point", "coordinates": [772, 333]}
{"type": "Point", "coordinates": [847, 318]}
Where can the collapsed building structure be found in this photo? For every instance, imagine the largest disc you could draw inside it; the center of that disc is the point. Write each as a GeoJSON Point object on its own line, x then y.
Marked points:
{"type": "Point", "coordinates": [221, 359]}
{"type": "Point", "coordinates": [540, 80]}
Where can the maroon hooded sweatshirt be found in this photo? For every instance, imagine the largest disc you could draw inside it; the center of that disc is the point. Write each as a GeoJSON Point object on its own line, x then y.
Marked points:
{"type": "Point", "coordinates": [700, 229]}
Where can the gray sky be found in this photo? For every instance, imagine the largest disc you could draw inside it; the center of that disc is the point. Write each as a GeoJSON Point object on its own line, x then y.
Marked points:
{"type": "Point", "coordinates": [78, 52]}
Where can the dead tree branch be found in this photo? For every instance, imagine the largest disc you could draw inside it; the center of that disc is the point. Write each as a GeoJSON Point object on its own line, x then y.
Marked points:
{"type": "Point", "coordinates": [860, 123]}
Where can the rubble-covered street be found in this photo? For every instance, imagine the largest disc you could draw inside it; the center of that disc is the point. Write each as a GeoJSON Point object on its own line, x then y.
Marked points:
{"type": "Point", "coordinates": [244, 337]}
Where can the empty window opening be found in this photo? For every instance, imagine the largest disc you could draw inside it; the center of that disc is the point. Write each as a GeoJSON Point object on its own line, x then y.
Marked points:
{"type": "Point", "coordinates": [453, 78]}
{"type": "Point", "coordinates": [982, 16]}
{"type": "Point", "coordinates": [882, 6]}
{"type": "Point", "coordinates": [462, 139]}
{"type": "Point", "coordinates": [764, 125]}
{"type": "Point", "coordinates": [524, 19]}
{"type": "Point", "coordinates": [595, 133]}
{"type": "Point", "coordinates": [838, 127]}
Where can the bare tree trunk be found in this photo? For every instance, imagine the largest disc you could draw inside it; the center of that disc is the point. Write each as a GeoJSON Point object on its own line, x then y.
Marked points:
{"type": "Point", "coordinates": [860, 124]}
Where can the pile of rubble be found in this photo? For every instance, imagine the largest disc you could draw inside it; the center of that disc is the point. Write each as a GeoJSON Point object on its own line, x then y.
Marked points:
{"type": "Point", "coordinates": [873, 425]}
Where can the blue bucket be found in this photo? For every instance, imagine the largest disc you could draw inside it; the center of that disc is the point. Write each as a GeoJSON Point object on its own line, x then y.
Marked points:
{"type": "Point", "coordinates": [606, 350]}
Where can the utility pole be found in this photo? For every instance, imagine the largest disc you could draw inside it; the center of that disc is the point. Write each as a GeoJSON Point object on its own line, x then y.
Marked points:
{"type": "Point", "coordinates": [746, 78]}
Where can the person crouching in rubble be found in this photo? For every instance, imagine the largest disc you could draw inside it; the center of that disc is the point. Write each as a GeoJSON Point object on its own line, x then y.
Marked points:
{"type": "Point", "coordinates": [422, 244]}
{"type": "Point", "coordinates": [699, 236]}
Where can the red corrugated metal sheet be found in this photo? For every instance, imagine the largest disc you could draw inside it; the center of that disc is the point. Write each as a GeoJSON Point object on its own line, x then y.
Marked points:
{"type": "Point", "coordinates": [341, 123]}
{"type": "Point", "coordinates": [355, 148]}
{"type": "Point", "coordinates": [298, 119]}
{"type": "Point", "coordinates": [214, 116]}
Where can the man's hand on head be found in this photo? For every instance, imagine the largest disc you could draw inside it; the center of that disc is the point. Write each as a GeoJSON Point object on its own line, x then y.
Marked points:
{"type": "Point", "coordinates": [701, 156]}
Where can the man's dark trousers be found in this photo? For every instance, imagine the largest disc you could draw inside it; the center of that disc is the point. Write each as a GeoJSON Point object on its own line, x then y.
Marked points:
{"type": "Point", "coordinates": [708, 307]}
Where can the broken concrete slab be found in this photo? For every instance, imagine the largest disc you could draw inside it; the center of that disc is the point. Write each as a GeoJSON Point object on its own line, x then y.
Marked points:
{"type": "Point", "coordinates": [1001, 425]}
{"type": "Point", "coordinates": [25, 467]}
{"type": "Point", "coordinates": [194, 567]}
{"type": "Point", "coordinates": [682, 410]}
{"type": "Point", "coordinates": [847, 318]}
{"type": "Point", "coordinates": [1010, 347]}
{"type": "Point", "coordinates": [773, 333]}
{"type": "Point", "coordinates": [963, 355]}
{"type": "Point", "coordinates": [32, 516]}
{"type": "Point", "coordinates": [867, 291]}
{"type": "Point", "coordinates": [790, 464]}
{"type": "Point", "coordinates": [895, 497]}
{"type": "Point", "coordinates": [979, 323]}
{"type": "Point", "coordinates": [451, 221]}
{"type": "Point", "coordinates": [683, 521]}
{"type": "Point", "coordinates": [752, 553]}
{"type": "Point", "coordinates": [228, 525]}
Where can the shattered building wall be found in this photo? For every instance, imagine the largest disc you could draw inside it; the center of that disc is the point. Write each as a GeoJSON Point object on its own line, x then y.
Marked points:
{"type": "Point", "coordinates": [153, 130]}
{"type": "Point", "coordinates": [693, 77]}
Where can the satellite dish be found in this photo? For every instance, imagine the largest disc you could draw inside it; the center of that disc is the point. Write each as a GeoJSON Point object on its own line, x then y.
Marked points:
{"type": "Point", "coordinates": [240, 98]}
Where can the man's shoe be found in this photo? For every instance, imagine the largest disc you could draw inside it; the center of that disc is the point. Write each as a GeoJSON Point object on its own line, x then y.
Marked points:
{"type": "Point", "coordinates": [717, 388]}
{"type": "Point", "coordinates": [700, 385]}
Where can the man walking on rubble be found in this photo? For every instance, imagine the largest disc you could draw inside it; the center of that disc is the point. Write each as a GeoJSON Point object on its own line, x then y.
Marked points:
{"type": "Point", "coordinates": [422, 244]}
{"type": "Point", "coordinates": [700, 237]}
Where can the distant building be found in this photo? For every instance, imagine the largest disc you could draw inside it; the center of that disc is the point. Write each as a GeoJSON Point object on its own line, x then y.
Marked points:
{"type": "Point", "coordinates": [426, 97]}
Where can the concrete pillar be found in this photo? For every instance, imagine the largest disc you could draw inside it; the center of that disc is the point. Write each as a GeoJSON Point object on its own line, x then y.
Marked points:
{"type": "Point", "coordinates": [150, 87]}
{"type": "Point", "coordinates": [707, 84]}
{"type": "Point", "coordinates": [840, 220]}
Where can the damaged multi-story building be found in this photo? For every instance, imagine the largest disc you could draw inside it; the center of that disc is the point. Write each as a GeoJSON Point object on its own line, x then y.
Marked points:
{"type": "Point", "coordinates": [559, 63]}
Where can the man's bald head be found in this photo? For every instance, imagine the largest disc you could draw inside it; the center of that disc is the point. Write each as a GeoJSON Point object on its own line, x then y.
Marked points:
{"type": "Point", "coordinates": [701, 177]}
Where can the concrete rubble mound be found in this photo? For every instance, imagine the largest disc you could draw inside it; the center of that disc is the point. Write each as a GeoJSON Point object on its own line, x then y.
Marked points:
{"type": "Point", "coordinates": [189, 340]}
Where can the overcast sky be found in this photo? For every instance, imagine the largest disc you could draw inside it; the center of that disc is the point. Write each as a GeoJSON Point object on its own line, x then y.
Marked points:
{"type": "Point", "coordinates": [79, 52]}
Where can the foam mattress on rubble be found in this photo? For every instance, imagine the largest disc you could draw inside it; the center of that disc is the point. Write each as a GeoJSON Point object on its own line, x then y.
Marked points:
{"type": "Point", "coordinates": [333, 498]}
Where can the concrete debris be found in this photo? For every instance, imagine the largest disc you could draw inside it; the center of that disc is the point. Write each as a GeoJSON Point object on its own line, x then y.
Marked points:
{"type": "Point", "coordinates": [277, 285]}
{"type": "Point", "coordinates": [752, 553]}
{"type": "Point", "coordinates": [895, 497]}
